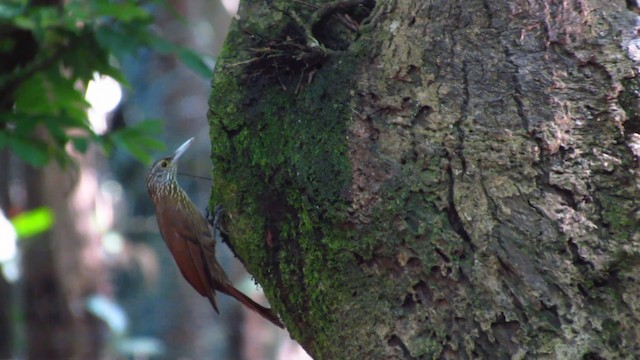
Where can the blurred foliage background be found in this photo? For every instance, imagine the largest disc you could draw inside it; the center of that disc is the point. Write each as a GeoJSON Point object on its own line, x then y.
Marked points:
{"type": "Point", "coordinates": [90, 92]}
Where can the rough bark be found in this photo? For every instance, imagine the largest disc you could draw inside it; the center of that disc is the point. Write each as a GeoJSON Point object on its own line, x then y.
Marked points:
{"type": "Point", "coordinates": [458, 179]}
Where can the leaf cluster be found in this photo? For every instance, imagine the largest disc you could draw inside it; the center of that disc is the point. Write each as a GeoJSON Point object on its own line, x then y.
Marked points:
{"type": "Point", "coordinates": [48, 55]}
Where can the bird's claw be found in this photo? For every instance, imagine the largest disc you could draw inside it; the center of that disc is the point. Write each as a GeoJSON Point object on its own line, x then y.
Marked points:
{"type": "Point", "coordinates": [207, 216]}
{"type": "Point", "coordinates": [216, 222]}
{"type": "Point", "coordinates": [218, 212]}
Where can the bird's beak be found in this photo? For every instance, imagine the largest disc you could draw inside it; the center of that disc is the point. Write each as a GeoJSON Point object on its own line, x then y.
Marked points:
{"type": "Point", "coordinates": [181, 150]}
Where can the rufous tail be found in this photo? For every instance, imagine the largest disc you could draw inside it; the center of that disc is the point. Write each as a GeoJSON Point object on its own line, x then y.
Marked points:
{"type": "Point", "coordinates": [246, 301]}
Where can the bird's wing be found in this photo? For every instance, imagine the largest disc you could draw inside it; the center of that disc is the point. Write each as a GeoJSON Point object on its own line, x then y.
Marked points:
{"type": "Point", "coordinates": [193, 247]}
{"type": "Point", "coordinates": [199, 233]}
{"type": "Point", "coordinates": [187, 253]}
{"type": "Point", "coordinates": [200, 226]}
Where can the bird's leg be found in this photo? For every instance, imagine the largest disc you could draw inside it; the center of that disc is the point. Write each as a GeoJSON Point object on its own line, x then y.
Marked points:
{"type": "Point", "coordinates": [216, 222]}
{"type": "Point", "coordinates": [207, 216]}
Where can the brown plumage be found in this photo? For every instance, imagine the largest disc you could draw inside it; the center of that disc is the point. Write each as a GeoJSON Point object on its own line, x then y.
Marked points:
{"type": "Point", "coordinates": [188, 237]}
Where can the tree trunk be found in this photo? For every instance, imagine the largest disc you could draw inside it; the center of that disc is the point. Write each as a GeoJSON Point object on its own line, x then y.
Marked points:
{"type": "Point", "coordinates": [455, 180]}
{"type": "Point", "coordinates": [63, 267]}
{"type": "Point", "coordinates": [6, 289]}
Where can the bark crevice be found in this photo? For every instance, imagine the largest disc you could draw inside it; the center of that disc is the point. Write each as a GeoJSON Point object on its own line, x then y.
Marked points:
{"type": "Point", "coordinates": [488, 210]}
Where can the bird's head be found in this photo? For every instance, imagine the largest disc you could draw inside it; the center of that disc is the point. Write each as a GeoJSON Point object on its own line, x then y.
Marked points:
{"type": "Point", "coordinates": [163, 172]}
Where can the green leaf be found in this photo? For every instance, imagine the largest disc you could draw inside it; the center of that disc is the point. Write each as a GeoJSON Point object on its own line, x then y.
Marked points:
{"type": "Point", "coordinates": [80, 143]}
{"type": "Point", "coordinates": [11, 9]}
{"type": "Point", "coordinates": [49, 93]}
{"type": "Point", "coordinates": [40, 20]}
{"type": "Point", "coordinates": [124, 11]}
{"type": "Point", "coordinates": [158, 44]}
{"type": "Point", "coordinates": [132, 145]}
{"type": "Point", "coordinates": [77, 11]}
{"type": "Point", "coordinates": [139, 139]}
{"type": "Point", "coordinates": [125, 39]}
{"type": "Point", "coordinates": [33, 222]}
{"type": "Point", "coordinates": [24, 22]}
{"type": "Point", "coordinates": [32, 151]}
{"type": "Point", "coordinates": [22, 124]}
{"type": "Point", "coordinates": [149, 126]}
{"type": "Point", "coordinates": [74, 43]}
{"type": "Point", "coordinates": [105, 142]}
{"type": "Point", "coordinates": [152, 144]}
{"type": "Point", "coordinates": [61, 156]}
{"type": "Point", "coordinates": [195, 62]}
{"type": "Point", "coordinates": [121, 39]}
{"type": "Point", "coordinates": [58, 133]}
{"type": "Point", "coordinates": [85, 57]}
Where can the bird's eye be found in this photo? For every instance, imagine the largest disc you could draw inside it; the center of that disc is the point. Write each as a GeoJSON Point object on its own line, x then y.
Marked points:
{"type": "Point", "coordinates": [164, 163]}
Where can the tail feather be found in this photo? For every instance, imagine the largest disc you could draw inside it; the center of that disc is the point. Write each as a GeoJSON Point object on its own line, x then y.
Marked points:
{"type": "Point", "coordinates": [246, 301]}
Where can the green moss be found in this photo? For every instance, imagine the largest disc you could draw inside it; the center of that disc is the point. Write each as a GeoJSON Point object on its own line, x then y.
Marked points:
{"type": "Point", "coordinates": [280, 169]}
{"type": "Point", "coordinates": [618, 215]}
{"type": "Point", "coordinates": [629, 100]}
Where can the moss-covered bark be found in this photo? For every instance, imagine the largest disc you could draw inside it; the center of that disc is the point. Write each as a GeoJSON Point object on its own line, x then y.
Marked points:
{"type": "Point", "coordinates": [281, 170]}
{"type": "Point", "coordinates": [455, 179]}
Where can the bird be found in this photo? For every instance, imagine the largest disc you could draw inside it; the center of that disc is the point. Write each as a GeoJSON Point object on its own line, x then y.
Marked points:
{"type": "Point", "coordinates": [186, 233]}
